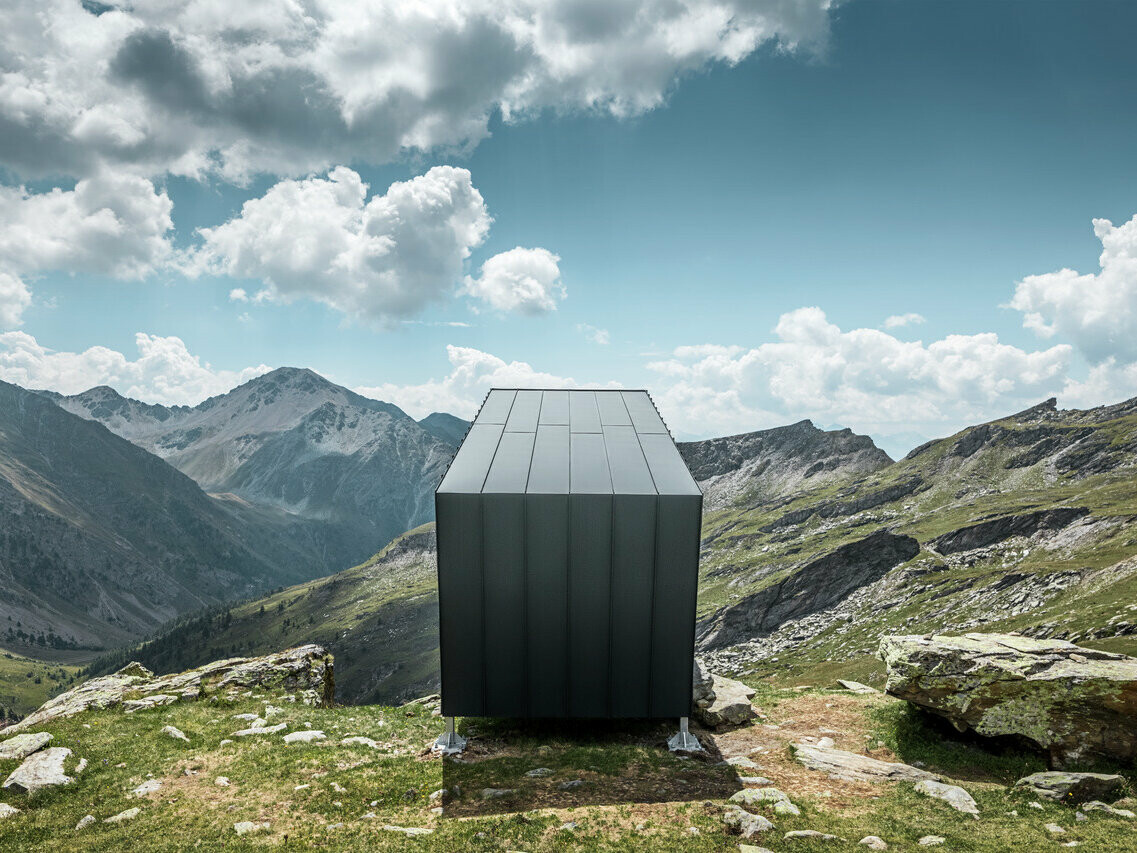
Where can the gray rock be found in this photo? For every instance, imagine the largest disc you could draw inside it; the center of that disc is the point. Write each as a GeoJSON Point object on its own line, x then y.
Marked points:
{"type": "Point", "coordinates": [495, 793]}
{"type": "Point", "coordinates": [155, 701]}
{"type": "Point", "coordinates": [750, 848]}
{"type": "Point", "coordinates": [262, 730]}
{"type": "Point", "coordinates": [306, 736]}
{"type": "Point", "coordinates": [538, 772]}
{"type": "Point", "coordinates": [360, 741]}
{"type": "Point", "coordinates": [755, 780]}
{"type": "Point", "coordinates": [827, 743]}
{"type": "Point", "coordinates": [222, 782]}
{"type": "Point", "coordinates": [742, 761]}
{"type": "Point", "coordinates": [856, 768]}
{"type": "Point", "coordinates": [7, 811]}
{"type": "Point", "coordinates": [129, 814]}
{"type": "Point", "coordinates": [570, 784]}
{"type": "Point", "coordinates": [175, 733]}
{"type": "Point", "coordinates": [1095, 806]}
{"type": "Point", "coordinates": [1074, 703]}
{"type": "Point", "coordinates": [21, 746]}
{"type": "Point", "coordinates": [759, 796]}
{"type": "Point", "coordinates": [1054, 829]}
{"type": "Point", "coordinates": [84, 822]}
{"type": "Point", "coordinates": [953, 795]}
{"type": "Point", "coordinates": [150, 786]}
{"type": "Point", "coordinates": [720, 701]}
{"type": "Point", "coordinates": [409, 831]}
{"type": "Point", "coordinates": [40, 770]}
{"type": "Point", "coordinates": [931, 840]}
{"type": "Point", "coordinates": [741, 822]}
{"type": "Point", "coordinates": [246, 827]}
{"type": "Point", "coordinates": [874, 842]}
{"type": "Point", "coordinates": [857, 687]}
{"type": "Point", "coordinates": [813, 834]}
{"type": "Point", "coordinates": [1062, 786]}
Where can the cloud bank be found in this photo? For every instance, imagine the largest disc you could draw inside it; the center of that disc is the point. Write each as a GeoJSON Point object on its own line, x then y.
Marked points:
{"type": "Point", "coordinates": [293, 88]}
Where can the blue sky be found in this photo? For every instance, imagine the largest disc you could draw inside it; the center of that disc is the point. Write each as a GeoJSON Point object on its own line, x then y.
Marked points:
{"type": "Point", "coordinates": [741, 231]}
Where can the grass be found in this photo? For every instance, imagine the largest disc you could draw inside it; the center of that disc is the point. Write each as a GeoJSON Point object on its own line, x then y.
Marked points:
{"type": "Point", "coordinates": [25, 684]}
{"type": "Point", "coordinates": [635, 795]}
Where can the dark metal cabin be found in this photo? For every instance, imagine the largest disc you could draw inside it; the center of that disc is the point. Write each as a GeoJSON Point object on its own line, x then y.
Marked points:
{"type": "Point", "coordinates": [568, 552]}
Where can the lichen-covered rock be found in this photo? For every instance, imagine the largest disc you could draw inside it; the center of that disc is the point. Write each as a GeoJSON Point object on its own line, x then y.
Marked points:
{"type": "Point", "coordinates": [40, 770]}
{"type": "Point", "coordinates": [720, 701]}
{"type": "Point", "coordinates": [1075, 704]}
{"type": "Point", "coordinates": [1068, 787]}
{"type": "Point", "coordinates": [742, 822]}
{"type": "Point", "coordinates": [8, 811]}
{"type": "Point", "coordinates": [854, 767]}
{"type": "Point", "coordinates": [21, 746]}
{"type": "Point", "coordinates": [304, 669]}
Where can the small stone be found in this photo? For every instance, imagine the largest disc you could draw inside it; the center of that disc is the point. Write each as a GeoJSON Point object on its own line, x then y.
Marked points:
{"type": "Point", "coordinates": [306, 786]}
{"type": "Point", "coordinates": [150, 786]}
{"type": "Point", "coordinates": [1072, 787]}
{"type": "Point", "coordinates": [811, 833]}
{"type": "Point", "coordinates": [409, 831]}
{"type": "Point", "coordinates": [742, 761]}
{"type": "Point", "coordinates": [742, 822]}
{"type": "Point", "coordinates": [755, 780]}
{"type": "Point", "coordinates": [245, 827]}
{"type": "Point", "coordinates": [21, 746]}
{"type": "Point", "coordinates": [750, 848]}
{"type": "Point", "coordinates": [304, 737]}
{"type": "Point", "coordinates": [570, 784]}
{"type": "Point", "coordinates": [569, 827]}
{"type": "Point", "coordinates": [225, 742]}
{"type": "Point", "coordinates": [495, 793]}
{"type": "Point", "coordinates": [129, 814]}
{"type": "Point", "coordinates": [247, 717]}
{"type": "Point", "coordinates": [84, 822]}
{"type": "Point", "coordinates": [81, 766]}
{"type": "Point", "coordinates": [873, 842]}
{"type": "Point", "coordinates": [1054, 828]}
{"type": "Point", "coordinates": [953, 795]}
{"type": "Point", "coordinates": [261, 730]}
{"type": "Point", "coordinates": [338, 788]}
{"type": "Point", "coordinates": [1096, 806]}
{"type": "Point", "coordinates": [437, 810]}
{"type": "Point", "coordinates": [360, 741]}
{"type": "Point", "coordinates": [931, 840]}
{"type": "Point", "coordinates": [857, 687]}
{"type": "Point", "coordinates": [1035, 805]}
{"type": "Point", "coordinates": [538, 772]}
{"type": "Point", "coordinates": [786, 809]}
{"type": "Point", "coordinates": [176, 734]}
{"type": "Point", "coordinates": [1080, 816]}
{"type": "Point", "coordinates": [222, 782]}
{"type": "Point", "coordinates": [7, 811]}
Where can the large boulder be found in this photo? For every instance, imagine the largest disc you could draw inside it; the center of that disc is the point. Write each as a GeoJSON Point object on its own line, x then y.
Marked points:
{"type": "Point", "coordinates": [1067, 787]}
{"type": "Point", "coordinates": [305, 670]}
{"type": "Point", "coordinates": [720, 701]}
{"type": "Point", "coordinates": [40, 770]}
{"type": "Point", "coordinates": [1078, 705]}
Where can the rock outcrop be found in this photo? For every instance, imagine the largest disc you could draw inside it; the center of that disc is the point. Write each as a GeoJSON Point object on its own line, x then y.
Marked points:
{"type": "Point", "coordinates": [854, 767]}
{"type": "Point", "coordinates": [1075, 704]}
{"type": "Point", "coordinates": [819, 584]}
{"type": "Point", "coordinates": [720, 701]}
{"type": "Point", "coordinates": [305, 670]}
{"type": "Point", "coordinates": [1072, 787]}
{"type": "Point", "coordinates": [40, 770]}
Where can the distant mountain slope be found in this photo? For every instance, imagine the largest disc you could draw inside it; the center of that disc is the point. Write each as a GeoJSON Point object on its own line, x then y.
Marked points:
{"type": "Point", "coordinates": [774, 462]}
{"type": "Point", "coordinates": [101, 541]}
{"type": "Point", "coordinates": [293, 441]}
{"type": "Point", "coordinates": [379, 619]}
{"type": "Point", "coordinates": [818, 545]}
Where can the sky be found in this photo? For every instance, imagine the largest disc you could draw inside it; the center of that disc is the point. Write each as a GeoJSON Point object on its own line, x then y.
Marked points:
{"type": "Point", "coordinates": [898, 217]}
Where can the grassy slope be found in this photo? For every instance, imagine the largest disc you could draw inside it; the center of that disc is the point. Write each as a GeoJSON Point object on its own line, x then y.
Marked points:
{"type": "Point", "coordinates": [25, 684]}
{"type": "Point", "coordinates": [635, 794]}
{"type": "Point", "coordinates": [380, 619]}
{"type": "Point", "coordinates": [738, 558]}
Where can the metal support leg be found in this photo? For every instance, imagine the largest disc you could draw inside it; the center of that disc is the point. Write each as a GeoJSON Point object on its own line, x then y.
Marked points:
{"type": "Point", "coordinates": [449, 742]}
{"type": "Point", "coordinates": [684, 741]}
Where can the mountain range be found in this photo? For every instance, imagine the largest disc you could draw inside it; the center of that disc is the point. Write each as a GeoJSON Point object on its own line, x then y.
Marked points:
{"type": "Point", "coordinates": [117, 516]}
{"type": "Point", "coordinates": [815, 543]}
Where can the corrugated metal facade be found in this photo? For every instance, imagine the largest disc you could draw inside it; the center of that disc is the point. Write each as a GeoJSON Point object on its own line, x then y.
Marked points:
{"type": "Point", "coordinates": [568, 549]}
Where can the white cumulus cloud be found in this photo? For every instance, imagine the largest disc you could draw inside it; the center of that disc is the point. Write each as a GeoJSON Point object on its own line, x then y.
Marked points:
{"type": "Point", "coordinates": [897, 321]}
{"type": "Point", "coordinates": [377, 259]}
{"type": "Point", "coordinates": [165, 371]}
{"type": "Point", "coordinates": [597, 336]}
{"type": "Point", "coordinates": [460, 392]}
{"type": "Point", "coordinates": [524, 281]}
{"type": "Point", "coordinates": [1097, 311]}
{"type": "Point", "coordinates": [113, 224]}
{"type": "Point", "coordinates": [862, 378]}
{"type": "Point", "coordinates": [286, 87]}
